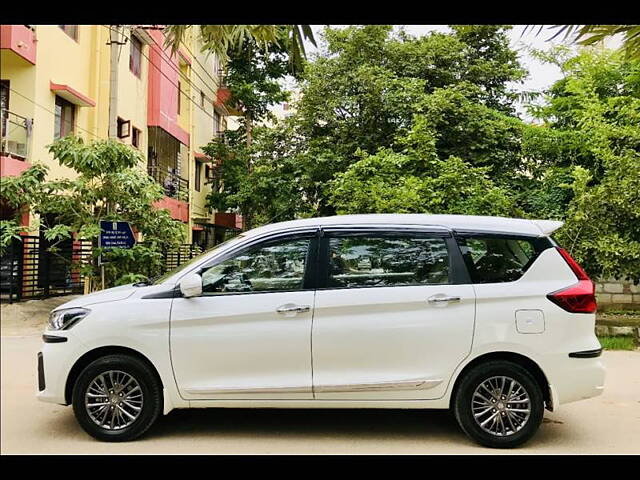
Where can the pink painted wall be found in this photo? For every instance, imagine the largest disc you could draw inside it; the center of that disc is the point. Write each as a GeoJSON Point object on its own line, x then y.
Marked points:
{"type": "Point", "coordinates": [178, 209]}
{"type": "Point", "coordinates": [19, 39]}
{"type": "Point", "coordinates": [162, 102]}
{"type": "Point", "coordinates": [12, 167]}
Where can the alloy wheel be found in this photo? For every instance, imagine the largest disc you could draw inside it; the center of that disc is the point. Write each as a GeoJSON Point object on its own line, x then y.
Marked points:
{"type": "Point", "coordinates": [501, 406]}
{"type": "Point", "coordinates": [114, 400]}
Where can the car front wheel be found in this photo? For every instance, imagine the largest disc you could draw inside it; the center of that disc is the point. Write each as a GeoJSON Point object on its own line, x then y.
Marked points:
{"type": "Point", "coordinates": [499, 404]}
{"type": "Point", "coordinates": [117, 398]}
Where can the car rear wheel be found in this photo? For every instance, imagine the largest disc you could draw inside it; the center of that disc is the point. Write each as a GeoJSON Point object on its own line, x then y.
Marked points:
{"type": "Point", "coordinates": [117, 398]}
{"type": "Point", "coordinates": [499, 404]}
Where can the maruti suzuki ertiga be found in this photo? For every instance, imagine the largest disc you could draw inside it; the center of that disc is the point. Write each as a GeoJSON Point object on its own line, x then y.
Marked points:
{"type": "Point", "coordinates": [485, 316]}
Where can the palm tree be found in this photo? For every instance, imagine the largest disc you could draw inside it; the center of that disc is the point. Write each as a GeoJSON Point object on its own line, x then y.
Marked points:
{"type": "Point", "coordinates": [220, 39]}
{"type": "Point", "coordinates": [590, 34]}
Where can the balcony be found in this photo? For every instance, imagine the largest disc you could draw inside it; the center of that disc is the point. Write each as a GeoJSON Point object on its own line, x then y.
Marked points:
{"type": "Point", "coordinates": [224, 100]}
{"type": "Point", "coordinates": [14, 143]}
{"type": "Point", "coordinates": [174, 185]}
{"type": "Point", "coordinates": [228, 220]}
{"type": "Point", "coordinates": [176, 191]}
{"type": "Point", "coordinates": [20, 39]}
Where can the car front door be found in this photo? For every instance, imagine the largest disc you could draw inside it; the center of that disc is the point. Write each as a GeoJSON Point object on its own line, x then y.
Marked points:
{"type": "Point", "coordinates": [248, 336]}
{"type": "Point", "coordinates": [394, 315]}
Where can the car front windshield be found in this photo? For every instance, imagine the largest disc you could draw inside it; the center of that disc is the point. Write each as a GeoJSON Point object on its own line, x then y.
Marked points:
{"type": "Point", "coordinates": [194, 260]}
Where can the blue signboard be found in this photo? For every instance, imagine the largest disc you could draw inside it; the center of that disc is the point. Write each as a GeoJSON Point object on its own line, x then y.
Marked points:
{"type": "Point", "coordinates": [116, 235]}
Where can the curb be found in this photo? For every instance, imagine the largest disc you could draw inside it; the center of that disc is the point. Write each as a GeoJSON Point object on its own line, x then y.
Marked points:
{"type": "Point", "coordinates": [619, 331]}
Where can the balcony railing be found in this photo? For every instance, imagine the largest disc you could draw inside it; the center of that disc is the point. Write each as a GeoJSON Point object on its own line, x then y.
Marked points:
{"type": "Point", "coordinates": [16, 131]}
{"type": "Point", "coordinates": [228, 220]}
{"type": "Point", "coordinates": [174, 185]}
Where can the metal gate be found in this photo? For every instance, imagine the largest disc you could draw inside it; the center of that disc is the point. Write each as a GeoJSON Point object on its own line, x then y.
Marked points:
{"type": "Point", "coordinates": [32, 270]}
{"type": "Point", "coordinates": [182, 254]}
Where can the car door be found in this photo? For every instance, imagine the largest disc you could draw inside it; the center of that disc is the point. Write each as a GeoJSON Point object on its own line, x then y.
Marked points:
{"type": "Point", "coordinates": [248, 336]}
{"type": "Point", "coordinates": [394, 314]}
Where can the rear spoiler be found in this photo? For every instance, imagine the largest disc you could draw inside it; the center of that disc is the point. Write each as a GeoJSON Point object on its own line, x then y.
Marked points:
{"type": "Point", "coordinates": [547, 227]}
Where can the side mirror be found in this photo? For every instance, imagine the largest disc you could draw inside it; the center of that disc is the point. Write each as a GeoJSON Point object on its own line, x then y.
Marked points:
{"type": "Point", "coordinates": [191, 285]}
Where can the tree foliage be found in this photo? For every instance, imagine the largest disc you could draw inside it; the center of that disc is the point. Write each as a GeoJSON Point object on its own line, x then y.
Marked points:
{"type": "Point", "coordinates": [369, 93]}
{"type": "Point", "coordinates": [254, 77]}
{"type": "Point", "coordinates": [110, 186]}
{"type": "Point", "coordinates": [391, 123]}
{"type": "Point", "coordinates": [590, 144]}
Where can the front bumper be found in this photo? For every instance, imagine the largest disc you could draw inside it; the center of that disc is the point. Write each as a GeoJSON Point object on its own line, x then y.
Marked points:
{"type": "Point", "coordinates": [54, 364]}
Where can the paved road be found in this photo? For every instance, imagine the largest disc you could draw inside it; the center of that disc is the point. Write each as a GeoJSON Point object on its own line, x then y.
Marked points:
{"type": "Point", "coordinates": [606, 424]}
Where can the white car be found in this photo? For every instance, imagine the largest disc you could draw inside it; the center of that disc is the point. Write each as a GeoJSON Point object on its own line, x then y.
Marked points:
{"type": "Point", "coordinates": [485, 316]}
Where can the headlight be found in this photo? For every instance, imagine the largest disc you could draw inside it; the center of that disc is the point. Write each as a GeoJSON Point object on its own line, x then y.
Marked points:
{"type": "Point", "coordinates": [66, 318]}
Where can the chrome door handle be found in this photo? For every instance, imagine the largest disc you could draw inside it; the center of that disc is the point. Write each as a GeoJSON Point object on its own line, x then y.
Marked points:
{"type": "Point", "coordinates": [289, 308]}
{"type": "Point", "coordinates": [438, 299]}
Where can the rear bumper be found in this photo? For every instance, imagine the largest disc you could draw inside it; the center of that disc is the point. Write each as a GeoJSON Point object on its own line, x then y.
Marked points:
{"type": "Point", "coordinates": [586, 353]}
{"type": "Point", "coordinates": [576, 378]}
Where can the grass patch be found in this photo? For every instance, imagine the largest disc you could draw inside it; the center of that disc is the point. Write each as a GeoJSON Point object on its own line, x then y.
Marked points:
{"type": "Point", "coordinates": [617, 343]}
{"type": "Point", "coordinates": [623, 313]}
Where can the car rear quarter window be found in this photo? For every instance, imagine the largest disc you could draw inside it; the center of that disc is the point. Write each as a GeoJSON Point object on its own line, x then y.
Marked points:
{"type": "Point", "coordinates": [387, 261]}
{"type": "Point", "coordinates": [496, 259]}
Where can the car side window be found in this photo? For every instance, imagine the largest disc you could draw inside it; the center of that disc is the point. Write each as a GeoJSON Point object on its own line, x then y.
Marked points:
{"type": "Point", "coordinates": [497, 259]}
{"type": "Point", "coordinates": [390, 261]}
{"type": "Point", "coordinates": [277, 266]}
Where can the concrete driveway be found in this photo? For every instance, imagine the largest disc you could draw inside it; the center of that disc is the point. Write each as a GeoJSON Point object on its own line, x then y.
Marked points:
{"type": "Point", "coordinates": [606, 424]}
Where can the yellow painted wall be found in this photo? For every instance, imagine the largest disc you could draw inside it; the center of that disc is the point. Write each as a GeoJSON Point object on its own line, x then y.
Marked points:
{"type": "Point", "coordinates": [184, 117]}
{"type": "Point", "coordinates": [21, 75]}
{"type": "Point", "coordinates": [64, 60]}
{"type": "Point", "coordinates": [204, 79]}
{"type": "Point", "coordinates": [132, 93]}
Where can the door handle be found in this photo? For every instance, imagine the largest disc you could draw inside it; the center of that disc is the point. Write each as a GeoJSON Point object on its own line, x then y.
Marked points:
{"type": "Point", "coordinates": [291, 308]}
{"type": "Point", "coordinates": [443, 299]}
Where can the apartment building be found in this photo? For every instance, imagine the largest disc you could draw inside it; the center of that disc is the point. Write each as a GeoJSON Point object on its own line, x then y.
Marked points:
{"type": "Point", "coordinates": [97, 81]}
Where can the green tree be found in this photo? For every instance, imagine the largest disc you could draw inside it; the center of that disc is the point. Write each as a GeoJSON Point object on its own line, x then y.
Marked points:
{"type": "Point", "coordinates": [110, 186]}
{"type": "Point", "coordinates": [588, 157]}
{"type": "Point", "coordinates": [254, 77]}
{"type": "Point", "coordinates": [418, 181]}
{"type": "Point", "coordinates": [267, 191]}
{"type": "Point", "coordinates": [373, 90]}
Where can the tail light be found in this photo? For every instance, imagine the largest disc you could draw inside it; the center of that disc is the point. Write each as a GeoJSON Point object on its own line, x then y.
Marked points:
{"type": "Point", "coordinates": [578, 298]}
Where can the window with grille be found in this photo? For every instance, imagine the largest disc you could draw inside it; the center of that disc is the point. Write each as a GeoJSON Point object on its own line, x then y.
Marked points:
{"type": "Point", "coordinates": [135, 57]}
{"type": "Point", "coordinates": [65, 118]}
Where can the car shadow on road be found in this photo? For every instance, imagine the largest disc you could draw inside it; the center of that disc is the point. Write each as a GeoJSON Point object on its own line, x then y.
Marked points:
{"type": "Point", "coordinates": [339, 424]}
{"type": "Point", "coordinates": [308, 423]}
{"type": "Point", "coordinates": [363, 426]}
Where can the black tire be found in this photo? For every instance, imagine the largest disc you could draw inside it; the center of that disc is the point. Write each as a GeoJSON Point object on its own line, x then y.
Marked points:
{"type": "Point", "coordinates": [473, 379]}
{"type": "Point", "coordinates": [151, 395]}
